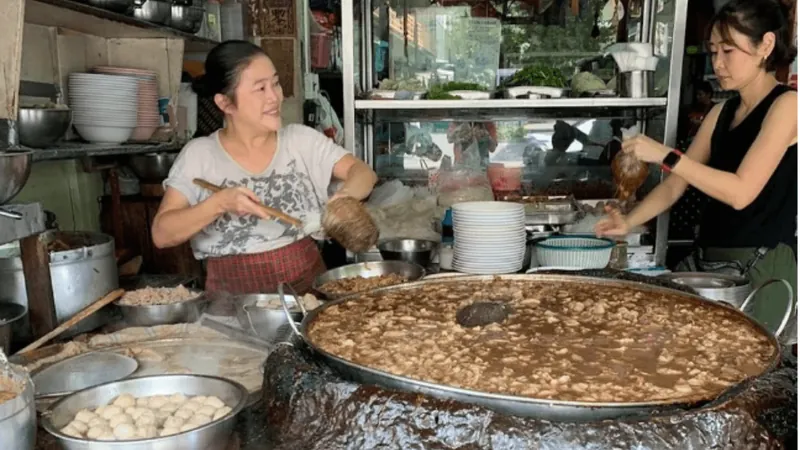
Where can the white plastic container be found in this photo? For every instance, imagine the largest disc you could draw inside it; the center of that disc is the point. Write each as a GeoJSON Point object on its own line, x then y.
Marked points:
{"type": "Point", "coordinates": [584, 252]}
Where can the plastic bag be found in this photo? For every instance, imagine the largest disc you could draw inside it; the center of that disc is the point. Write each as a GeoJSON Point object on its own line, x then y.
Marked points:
{"type": "Point", "coordinates": [391, 193]}
{"type": "Point", "coordinates": [412, 219]}
{"type": "Point", "coordinates": [462, 185]}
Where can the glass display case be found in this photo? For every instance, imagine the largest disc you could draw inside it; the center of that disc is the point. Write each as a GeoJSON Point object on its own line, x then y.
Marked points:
{"type": "Point", "coordinates": [520, 85]}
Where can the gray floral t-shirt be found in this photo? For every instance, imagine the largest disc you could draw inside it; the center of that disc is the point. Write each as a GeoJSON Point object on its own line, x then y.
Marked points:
{"type": "Point", "coordinates": [296, 182]}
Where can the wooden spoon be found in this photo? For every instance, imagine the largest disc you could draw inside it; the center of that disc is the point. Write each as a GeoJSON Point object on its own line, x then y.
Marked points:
{"type": "Point", "coordinates": [272, 212]}
{"type": "Point", "coordinates": [84, 313]}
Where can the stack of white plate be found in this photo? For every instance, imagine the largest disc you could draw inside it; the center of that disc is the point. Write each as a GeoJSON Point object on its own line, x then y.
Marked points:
{"type": "Point", "coordinates": [489, 237]}
{"type": "Point", "coordinates": [104, 107]}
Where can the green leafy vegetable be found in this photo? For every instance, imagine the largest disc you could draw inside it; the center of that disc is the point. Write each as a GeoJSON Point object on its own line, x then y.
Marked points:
{"type": "Point", "coordinates": [442, 91]}
{"type": "Point", "coordinates": [538, 75]}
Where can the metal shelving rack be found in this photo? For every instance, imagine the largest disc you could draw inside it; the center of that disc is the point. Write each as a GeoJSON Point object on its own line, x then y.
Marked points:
{"type": "Point", "coordinates": [359, 136]}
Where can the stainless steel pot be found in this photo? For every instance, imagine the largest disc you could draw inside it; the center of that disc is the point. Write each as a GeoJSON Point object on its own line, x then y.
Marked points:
{"type": "Point", "coordinates": [15, 168]}
{"type": "Point", "coordinates": [267, 323]}
{"type": "Point", "coordinates": [188, 19]}
{"type": "Point", "coordinates": [724, 288]}
{"type": "Point", "coordinates": [415, 251]}
{"type": "Point", "coordinates": [510, 404]}
{"type": "Point", "coordinates": [153, 11]}
{"type": "Point", "coordinates": [212, 436]}
{"type": "Point", "coordinates": [10, 314]}
{"type": "Point", "coordinates": [79, 276]}
{"type": "Point", "coordinates": [152, 166]}
{"type": "Point", "coordinates": [18, 415]}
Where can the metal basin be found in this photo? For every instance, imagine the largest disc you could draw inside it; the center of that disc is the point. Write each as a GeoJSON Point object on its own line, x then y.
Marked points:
{"type": "Point", "coordinates": [188, 19]}
{"type": "Point", "coordinates": [15, 168]}
{"type": "Point", "coordinates": [9, 314]}
{"type": "Point", "coordinates": [154, 11]}
{"type": "Point", "coordinates": [416, 251]}
{"type": "Point", "coordinates": [367, 270]}
{"type": "Point", "coordinates": [723, 288]}
{"type": "Point", "coordinates": [18, 415]}
{"type": "Point", "coordinates": [40, 128]}
{"type": "Point", "coordinates": [152, 166]}
{"type": "Point", "coordinates": [213, 436]}
{"type": "Point", "coordinates": [150, 315]}
{"type": "Point", "coordinates": [81, 372]}
{"type": "Point", "coordinates": [269, 324]}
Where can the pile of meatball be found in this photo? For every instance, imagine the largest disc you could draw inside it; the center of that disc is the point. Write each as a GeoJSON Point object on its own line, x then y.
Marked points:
{"type": "Point", "coordinates": [129, 418]}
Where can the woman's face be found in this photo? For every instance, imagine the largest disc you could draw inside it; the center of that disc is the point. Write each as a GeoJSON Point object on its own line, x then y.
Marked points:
{"type": "Point", "coordinates": [737, 61]}
{"type": "Point", "coordinates": [259, 96]}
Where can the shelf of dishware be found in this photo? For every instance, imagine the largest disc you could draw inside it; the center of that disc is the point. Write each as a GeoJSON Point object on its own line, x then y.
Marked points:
{"type": "Point", "coordinates": [73, 150]}
{"type": "Point", "coordinates": [88, 19]}
{"type": "Point", "coordinates": [550, 103]}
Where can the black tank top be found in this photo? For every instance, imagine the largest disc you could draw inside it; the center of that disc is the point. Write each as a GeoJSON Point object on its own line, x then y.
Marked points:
{"type": "Point", "coordinates": [772, 217]}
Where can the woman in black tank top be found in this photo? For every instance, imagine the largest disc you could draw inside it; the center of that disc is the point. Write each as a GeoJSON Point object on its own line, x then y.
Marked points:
{"type": "Point", "coordinates": [744, 157]}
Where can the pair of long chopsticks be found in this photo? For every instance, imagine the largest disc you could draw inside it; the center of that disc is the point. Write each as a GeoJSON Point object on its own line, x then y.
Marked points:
{"type": "Point", "coordinates": [272, 212]}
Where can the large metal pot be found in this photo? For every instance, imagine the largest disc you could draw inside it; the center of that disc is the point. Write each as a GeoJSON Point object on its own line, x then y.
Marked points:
{"type": "Point", "coordinates": [18, 415]}
{"type": "Point", "coordinates": [510, 404]}
{"type": "Point", "coordinates": [10, 314]}
{"type": "Point", "coordinates": [723, 288]}
{"type": "Point", "coordinates": [79, 276]}
{"type": "Point", "coordinates": [15, 168]}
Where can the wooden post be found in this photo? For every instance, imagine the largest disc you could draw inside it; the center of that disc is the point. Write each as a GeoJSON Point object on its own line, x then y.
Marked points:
{"type": "Point", "coordinates": [36, 267]}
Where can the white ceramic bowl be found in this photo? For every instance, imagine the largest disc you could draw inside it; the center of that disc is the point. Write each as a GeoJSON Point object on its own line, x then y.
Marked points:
{"type": "Point", "coordinates": [105, 134]}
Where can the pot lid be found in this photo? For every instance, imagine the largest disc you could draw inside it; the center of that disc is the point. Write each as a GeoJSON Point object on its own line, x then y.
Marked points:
{"type": "Point", "coordinates": [81, 372]}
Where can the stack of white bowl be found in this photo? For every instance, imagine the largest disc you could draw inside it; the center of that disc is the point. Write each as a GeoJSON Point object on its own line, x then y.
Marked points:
{"type": "Point", "coordinates": [489, 237]}
{"type": "Point", "coordinates": [147, 117]}
{"type": "Point", "coordinates": [104, 107]}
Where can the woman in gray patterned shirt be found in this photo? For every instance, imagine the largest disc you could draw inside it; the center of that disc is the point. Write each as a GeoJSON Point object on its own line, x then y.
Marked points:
{"type": "Point", "coordinates": [257, 160]}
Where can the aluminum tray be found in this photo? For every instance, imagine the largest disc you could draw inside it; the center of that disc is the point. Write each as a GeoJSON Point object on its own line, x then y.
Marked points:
{"type": "Point", "coordinates": [516, 405]}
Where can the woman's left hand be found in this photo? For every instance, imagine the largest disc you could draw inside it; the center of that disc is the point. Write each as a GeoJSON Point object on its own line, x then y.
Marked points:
{"type": "Point", "coordinates": [645, 149]}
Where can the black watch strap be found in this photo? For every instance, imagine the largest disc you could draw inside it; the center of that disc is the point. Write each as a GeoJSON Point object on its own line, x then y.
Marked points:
{"type": "Point", "coordinates": [671, 160]}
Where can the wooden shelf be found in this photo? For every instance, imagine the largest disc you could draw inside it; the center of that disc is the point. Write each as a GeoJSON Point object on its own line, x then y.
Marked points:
{"type": "Point", "coordinates": [72, 150]}
{"type": "Point", "coordinates": [95, 21]}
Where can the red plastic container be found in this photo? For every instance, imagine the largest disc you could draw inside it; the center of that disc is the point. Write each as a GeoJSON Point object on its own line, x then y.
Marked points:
{"type": "Point", "coordinates": [320, 49]}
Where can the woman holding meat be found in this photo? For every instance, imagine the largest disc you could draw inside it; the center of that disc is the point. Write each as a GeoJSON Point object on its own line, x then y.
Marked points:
{"type": "Point", "coordinates": [744, 158]}
{"type": "Point", "coordinates": [257, 160]}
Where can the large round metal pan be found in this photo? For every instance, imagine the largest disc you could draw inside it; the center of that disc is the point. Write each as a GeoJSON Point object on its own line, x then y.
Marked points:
{"type": "Point", "coordinates": [516, 405]}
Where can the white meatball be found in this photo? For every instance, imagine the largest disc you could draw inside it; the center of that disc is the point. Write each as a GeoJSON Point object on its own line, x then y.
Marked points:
{"type": "Point", "coordinates": [146, 432]}
{"type": "Point", "coordinates": [85, 416]}
{"type": "Point", "coordinates": [214, 402]}
{"type": "Point", "coordinates": [192, 405]}
{"type": "Point", "coordinates": [125, 431]}
{"type": "Point", "coordinates": [207, 410]}
{"type": "Point", "coordinates": [100, 409]}
{"type": "Point", "coordinates": [124, 401]}
{"type": "Point", "coordinates": [146, 420]}
{"type": "Point", "coordinates": [69, 430]}
{"type": "Point", "coordinates": [110, 412]}
{"type": "Point", "coordinates": [157, 401]}
{"type": "Point", "coordinates": [137, 412]}
{"type": "Point", "coordinates": [80, 426]}
{"type": "Point", "coordinates": [119, 419]}
{"type": "Point", "coordinates": [188, 426]}
{"type": "Point", "coordinates": [184, 414]}
{"type": "Point", "coordinates": [169, 431]}
{"type": "Point", "coordinates": [142, 402]}
{"type": "Point", "coordinates": [170, 407]}
{"type": "Point", "coordinates": [178, 398]}
{"type": "Point", "coordinates": [161, 416]}
{"type": "Point", "coordinates": [174, 422]}
{"type": "Point", "coordinates": [97, 421]}
{"type": "Point", "coordinates": [199, 399]}
{"type": "Point", "coordinates": [96, 432]}
{"type": "Point", "coordinates": [107, 435]}
{"type": "Point", "coordinates": [222, 412]}
{"type": "Point", "coordinates": [200, 419]}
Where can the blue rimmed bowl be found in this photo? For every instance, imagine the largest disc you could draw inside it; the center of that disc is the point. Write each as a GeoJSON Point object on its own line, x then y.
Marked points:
{"type": "Point", "coordinates": [583, 252]}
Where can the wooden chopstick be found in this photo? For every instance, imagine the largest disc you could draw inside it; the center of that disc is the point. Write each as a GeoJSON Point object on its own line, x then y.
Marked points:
{"type": "Point", "coordinates": [272, 212]}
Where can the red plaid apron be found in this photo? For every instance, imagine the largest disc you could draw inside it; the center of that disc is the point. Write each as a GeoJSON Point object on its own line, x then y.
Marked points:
{"type": "Point", "coordinates": [296, 264]}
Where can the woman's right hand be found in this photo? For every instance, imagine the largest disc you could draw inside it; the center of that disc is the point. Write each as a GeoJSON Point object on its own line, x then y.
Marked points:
{"type": "Point", "coordinates": [240, 201]}
{"type": "Point", "coordinates": [613, 224]}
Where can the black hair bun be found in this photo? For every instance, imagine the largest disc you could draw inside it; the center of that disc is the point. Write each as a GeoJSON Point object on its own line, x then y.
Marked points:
{"type": "Point", "coordinates": [201, 88]}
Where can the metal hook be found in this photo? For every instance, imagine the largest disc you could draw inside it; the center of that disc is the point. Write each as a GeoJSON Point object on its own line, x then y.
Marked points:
{"type": "Point", "coordinates": [281, 295]}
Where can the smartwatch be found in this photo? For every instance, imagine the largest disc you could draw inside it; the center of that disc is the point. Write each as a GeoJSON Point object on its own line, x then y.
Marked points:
{"type": "Point", "coordinates": [670, 160]}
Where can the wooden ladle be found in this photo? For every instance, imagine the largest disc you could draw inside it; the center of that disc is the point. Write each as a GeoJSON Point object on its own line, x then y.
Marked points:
{"type": "Point", "coordinates": [272, 212]}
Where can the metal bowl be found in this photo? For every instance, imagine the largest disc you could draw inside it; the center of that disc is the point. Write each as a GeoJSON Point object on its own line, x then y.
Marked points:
{"type": "Point", "coordinates": [40, 127]}
{"type": "Point", "coordinates": [18, 415]}
{"type": "Point", "coordinates": [118, 6]}
{"type": "Point", "coordinates": [154, 11]}
{"type": "Point", "coordinates": [269, 324]}
{"type": "Point", "coordinates": [9, 314]}
{"type": "Point", "coordinates": [188, 19]}
{"type": "Point", "coordinates": [416, 251]}
{"type": "Point", "coordinates": [367, 270]}
{"type": "Point", "coordinates": [214, 435]}
{"type": "Point", "coordinates": [149, 315]}
{"type": "Point", "coordinates": [152, 166]}
{"type": "Point", "coordinates": [15, 168]}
